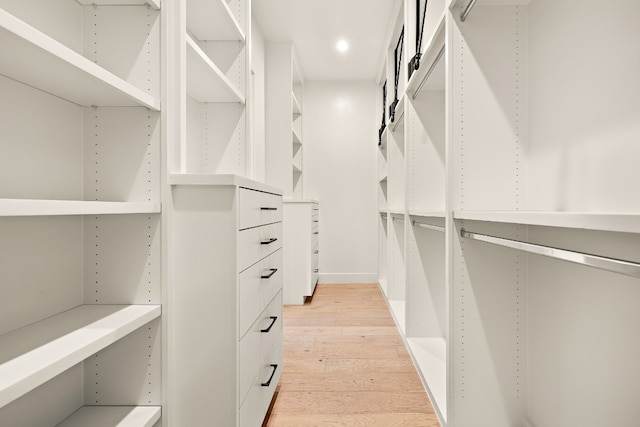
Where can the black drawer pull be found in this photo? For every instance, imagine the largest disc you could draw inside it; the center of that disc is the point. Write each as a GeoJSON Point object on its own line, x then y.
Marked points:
{"type": "Point", "coordinates": [273, 322]}
{"type": "Point", "coordinates": [316, 232]}
{"type": "Point", "coordinates": [268, 383]}
{"type": "Point", "coordinates": [266, 208]}
{"type": "Point", "coordinates": [315, 270]}
{"type": "Point", "coordinates": [316, 251]}
{"type": "Point", "coordinates": [268, 276]}
{"type": "Point", "coordinates": [269, 241]}
{"type": "Point", "coordinates": [315, 220]}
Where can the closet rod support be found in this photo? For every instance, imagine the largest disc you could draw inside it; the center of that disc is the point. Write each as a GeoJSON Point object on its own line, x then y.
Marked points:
{"type": "Point", "coordinates": [427, 226]}
{"type": "Point", "coordinates": [614, 265]}
{"type": "Point", "coordinates": [465, 12]}
{"type": "Point", "coordinates": [428, 73]}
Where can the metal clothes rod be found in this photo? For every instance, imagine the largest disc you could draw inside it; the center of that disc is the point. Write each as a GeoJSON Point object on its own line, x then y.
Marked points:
{"type": "Point", "coordinates": [467, 9]}
{"type": "Point", "coordinates": [397, 218]}
{"type": "Point", "coordinates": [603, 263]}
{"type": "Point", "coordinates": [428, 226]}
{"type": "Point", "coordinates": [428, 73]}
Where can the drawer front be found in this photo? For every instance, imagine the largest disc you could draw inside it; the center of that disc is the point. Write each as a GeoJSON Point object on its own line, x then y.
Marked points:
{"type": "Point", "coordinates": [258, 285]}
{"type": "Point", "coordinates": [256, 243]}
{"type": "Point", "coordinates": [255, 406]}
{"type": "Point", "coordinates": [256, 346]}
{"type": "Point", "coordinates": [258, 208]}
{"type": "Point", "coordinates": [315, 238]}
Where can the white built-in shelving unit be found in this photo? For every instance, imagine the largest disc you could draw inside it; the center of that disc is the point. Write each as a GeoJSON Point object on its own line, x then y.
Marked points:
{"type": "Point", "coordinates": [509, 242]}
{"type": "Point", "coordinates": [284, 117]}
{"type": "Point", "coordinates": [80, 213]}
{"type": "Point", "coordinates": [214, 117]}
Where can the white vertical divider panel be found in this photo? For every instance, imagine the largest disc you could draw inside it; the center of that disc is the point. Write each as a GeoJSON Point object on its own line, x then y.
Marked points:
{"type": "Point", "coordinates": [488, 330]}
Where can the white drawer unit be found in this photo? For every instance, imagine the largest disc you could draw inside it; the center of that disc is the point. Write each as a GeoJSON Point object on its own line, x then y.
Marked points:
{"type": "Point", "coordinates": [301, 233]}
{"type": "Point", "coordinates": [227, 317]}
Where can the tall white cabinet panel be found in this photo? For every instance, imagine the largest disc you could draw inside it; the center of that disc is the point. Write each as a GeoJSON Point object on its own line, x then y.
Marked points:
{"type": "Point", "coordinates": [80, 212]}
{"type": "Point", "coordinates": [301, 249]}
{"type": "Point", "coordinates": [227, 307]}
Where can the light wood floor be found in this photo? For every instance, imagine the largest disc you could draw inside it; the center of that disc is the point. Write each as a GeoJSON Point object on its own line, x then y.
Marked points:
{"type": "Point", "coordinates": [346, 365]}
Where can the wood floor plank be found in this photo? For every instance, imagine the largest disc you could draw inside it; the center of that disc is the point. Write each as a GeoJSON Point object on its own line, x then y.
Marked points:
{"type": "Point", "coordinates": [345, 364]}
{"type": "Point", "coordinates": [358, 420]}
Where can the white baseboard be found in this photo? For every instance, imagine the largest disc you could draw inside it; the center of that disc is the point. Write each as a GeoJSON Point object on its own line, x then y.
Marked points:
{"type": "Point", "coordinates": [335, 278]}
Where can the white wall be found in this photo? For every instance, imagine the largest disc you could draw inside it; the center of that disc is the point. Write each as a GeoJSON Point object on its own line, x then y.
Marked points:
{"type": "Point", "coordinates": [340, 138]}
{"type": "Point", "coordinates": [258, 109]}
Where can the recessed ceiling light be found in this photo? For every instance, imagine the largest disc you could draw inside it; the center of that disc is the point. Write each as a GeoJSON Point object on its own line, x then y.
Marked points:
{"type": "Point", "coordinates": [342, 45]}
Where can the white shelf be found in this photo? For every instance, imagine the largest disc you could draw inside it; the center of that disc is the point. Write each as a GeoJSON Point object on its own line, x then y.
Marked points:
{"type": "Point", "coordinates": [32, 355]}
{"type": "Point", "coordinates": [398, 308]}
{"type": "Point", "coordinates": [428, 214]}
{"type": "Point", "coordinates": [397, 212]}
{"type": "Point", "coordinates": [38, 60]}
{"type": "Point", "coordinates": [220, 179]}
{"type": "Point", "coordinates": [436, 80]}
{"type": "Point", "coordinates": [30, 207]}
{"type": "Point", "coordinates": [619, 222]}
{"type": "Point", "coordinates": [155, 4]}
{"type": "Point", "coordinates": [205, 81]}
{"type": "Point", "coordinates": [295, 137]}
{"type": "Point", "coordinates": [296, 168]}
{"type": "Point", "coordinates": [109, 416]}
{"type": "Point", "coordinates": [463, 3]}
{"type": "Point", "coordinates": [398, 124]}
{"type": "Point", "coordinates": [297, 111]}
{"type": "Point", "coordinates": [213, 20]}
{"type": "Point", "coordinates": [383, 178]}
{"type": "Point", "coordinates": [430, 354]}
{"type": "Point", "coordinates": [383, 140]}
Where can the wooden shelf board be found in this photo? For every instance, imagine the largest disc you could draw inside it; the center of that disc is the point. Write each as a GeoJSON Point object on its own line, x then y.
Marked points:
{"type": "Point", "coordinates": [463, 3]}
{"type": "Point", "coordinates": [205, 81]}
{"type": "Point", "coordinates": [155, 4]}
{"type": "Point", "coordinates": [295, 137]}
{"type": "Point", "coordinates": [296, 105]}
{"type": "Point", "coordinates": [610, 221]}
{"type": "Point", "coordinates": [34, 354]}
{"type": "Point", "coordinates": [436, 80]}
{"type": "Point", "coordinates": [213, 20]}
{"type": "Point", "coordinates": [39, 61]}
{"type": "Point", "coordinates": [109, 416]}
{"type": "Point", "coordinates": [397, 126]}
{"type": "Point", "coordinates": [430, 355]}
{"type": "Point", "coordinates": [220, 179]}
{"type": "Point", "coordinates": [428, 214]}
{"type": "Point", "coordinates": [31, 207]}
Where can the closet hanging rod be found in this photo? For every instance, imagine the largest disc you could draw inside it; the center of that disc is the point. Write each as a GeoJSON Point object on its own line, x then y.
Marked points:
{"type": "Point", "coordinates": [428, 73]}
{"type": "Point", "coordinates": [467, 9]}
{"type": "Point", "coordinates": [428, 226]}
{"type": "Point", "coordinates": [397, 218]}
{"type": "Point", "coordinates": [603, 263]}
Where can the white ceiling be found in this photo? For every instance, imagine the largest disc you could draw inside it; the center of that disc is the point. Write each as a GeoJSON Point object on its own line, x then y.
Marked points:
{"type": "Point", "coordinates": [315, 26]}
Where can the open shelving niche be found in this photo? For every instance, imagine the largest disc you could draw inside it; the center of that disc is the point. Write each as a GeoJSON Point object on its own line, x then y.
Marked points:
{"type": "Point", "coordinates": [427, 313]}
{"type": "Point", "coordinates": [214, 101]}
{"type": "Point", "coordinates": [559, 175]}
{"type": "Point", "coordinates": [79, 211]}
{"type": "Point", "coordinates": [297, 97]}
